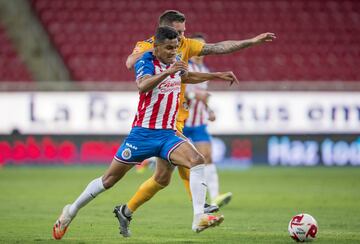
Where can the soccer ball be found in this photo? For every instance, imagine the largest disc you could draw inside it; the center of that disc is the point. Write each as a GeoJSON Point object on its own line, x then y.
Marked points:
{"type": "Point", "coordinates": [303, 227]}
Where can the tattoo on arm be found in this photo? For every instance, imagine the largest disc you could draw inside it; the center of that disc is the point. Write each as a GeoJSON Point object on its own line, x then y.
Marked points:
{"type": "Point", "coordinates": [225, 47]}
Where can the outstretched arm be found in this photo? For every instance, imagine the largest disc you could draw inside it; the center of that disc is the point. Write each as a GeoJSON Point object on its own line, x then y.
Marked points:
{"type": "Point", "coordinates": [233, 46]}
{"type": "Point", "coordinates": [197, 77]}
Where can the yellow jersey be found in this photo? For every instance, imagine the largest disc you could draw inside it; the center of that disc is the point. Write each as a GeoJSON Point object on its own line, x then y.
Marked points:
{"type": "Point", "coordinates": [187, 49]}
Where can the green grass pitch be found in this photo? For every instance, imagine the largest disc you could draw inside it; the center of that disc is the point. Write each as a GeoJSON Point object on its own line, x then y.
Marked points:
{"type": "Point", "coordinates": [264, 200]}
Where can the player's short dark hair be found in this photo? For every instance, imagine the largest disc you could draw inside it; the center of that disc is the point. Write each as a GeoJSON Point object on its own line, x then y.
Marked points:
{"type": "Point", "coordinates": [198, 35]}
{"type": "Point", "coordinates": [165, 32]}
{"type": "Point", "coordinates": [170, 16]}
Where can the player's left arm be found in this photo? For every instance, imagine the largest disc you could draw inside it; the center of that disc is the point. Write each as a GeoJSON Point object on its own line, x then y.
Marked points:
{"type": "Point", "coordinates": [225, 47]}
{"type": "Point", "coordinates": [197, 77]}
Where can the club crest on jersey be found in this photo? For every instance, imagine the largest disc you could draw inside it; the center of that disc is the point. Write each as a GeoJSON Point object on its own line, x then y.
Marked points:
{"type": "Point", "coordinates": [126, 153]}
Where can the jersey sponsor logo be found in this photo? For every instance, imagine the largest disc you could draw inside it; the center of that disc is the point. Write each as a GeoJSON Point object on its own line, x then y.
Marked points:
{"type": "Point", "coordinates": [141, 62]}
{"type": "Point", "coordinates": [168, 86]}
{"type": "Point", "coordinates": [131, 146]}
{"type": "Point", "coordinates": [140, 74]}
{"type": "Point", "coordinates": [140, 71]}
{"type": "Point", "coordinates": [126, 153]}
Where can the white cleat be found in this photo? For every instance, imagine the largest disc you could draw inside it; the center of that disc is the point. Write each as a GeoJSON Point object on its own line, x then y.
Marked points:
{"type": "Point", "coordinates": [62, 223]}
{"type": "Point", "coordinates": [204, 221]}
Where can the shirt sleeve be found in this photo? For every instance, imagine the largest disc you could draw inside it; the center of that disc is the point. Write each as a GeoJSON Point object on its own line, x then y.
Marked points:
{"type": "Point", "coordinates": [195, 47]}
{"type": "Point", "coordinates": [144, 66]}
{"type": "Point", "coordinates": [143, 46]}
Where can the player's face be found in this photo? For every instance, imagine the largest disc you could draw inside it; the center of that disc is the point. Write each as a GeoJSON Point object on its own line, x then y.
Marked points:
{"type": "Point", "coordinates": [166, 51]}
{"type": "Point", "coordinates": [179, 27]}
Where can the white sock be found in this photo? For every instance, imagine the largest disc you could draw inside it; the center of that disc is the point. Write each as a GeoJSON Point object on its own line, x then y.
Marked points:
{"type": "Point", "coordinates": [198, 188]}
{"type": "Point", "coordinates": [212, 180]}
{"type": "Point", "coordinates": [94, 188]}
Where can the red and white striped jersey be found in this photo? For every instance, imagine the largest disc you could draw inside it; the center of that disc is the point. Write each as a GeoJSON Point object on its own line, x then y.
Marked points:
{"type": "Point", "coordinates": [157, 109]}
{"type": "Point", "coordinates": [198, 114]}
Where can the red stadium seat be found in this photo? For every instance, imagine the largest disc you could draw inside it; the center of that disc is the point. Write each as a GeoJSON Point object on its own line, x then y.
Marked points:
{"type": "Point", "coordinates": [12, 68]}
{"type": "Point", "coordinates": [317, 40]}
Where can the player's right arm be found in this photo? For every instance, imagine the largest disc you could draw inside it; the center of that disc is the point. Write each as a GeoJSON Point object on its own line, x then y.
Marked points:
{"type": "Point", "coordinates": [147, 80]}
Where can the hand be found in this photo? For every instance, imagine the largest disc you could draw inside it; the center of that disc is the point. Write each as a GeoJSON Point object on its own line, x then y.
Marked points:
{"type": "Point", "coordinates": [264, 37]}
{"type": "Point", "coordinates": [212, 116]}
{"type": "Point", "coordinates": [178, 66]}
{"type": "Point", "coordinates": [228, 76]}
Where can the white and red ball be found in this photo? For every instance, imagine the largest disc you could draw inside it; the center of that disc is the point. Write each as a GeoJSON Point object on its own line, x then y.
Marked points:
{"type": "Point", "coordinates": [303, 227]}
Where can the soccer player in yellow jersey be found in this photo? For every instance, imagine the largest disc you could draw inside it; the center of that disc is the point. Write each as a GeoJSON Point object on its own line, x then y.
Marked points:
{"type": "Point", "coordinates": [187, 49]}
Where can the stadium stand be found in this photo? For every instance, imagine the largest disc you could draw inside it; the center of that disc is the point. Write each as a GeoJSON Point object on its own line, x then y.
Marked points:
{"type": "Point", "coordinates": [318, 40]}
{"type": "Point", "coordinates": [12, 68]}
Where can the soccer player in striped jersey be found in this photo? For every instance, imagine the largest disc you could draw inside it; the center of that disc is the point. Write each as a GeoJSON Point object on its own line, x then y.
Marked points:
{"type": "Point", "coordinates": [159, 77]}
{"type": "Point", "coordinates": [187, 48]}
{"type": "Point", "coordinates": [196, 126]}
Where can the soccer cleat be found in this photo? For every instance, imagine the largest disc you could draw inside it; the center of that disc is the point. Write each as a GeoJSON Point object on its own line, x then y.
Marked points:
{"type": "Point", "coordinates": [124, 221]}
{"type": "Point", "coordinates": [62, 223]}
{"type": "Point", "coordinates": [210, 208]}
{"type": "Point", "coordinates": [222, 199]}
{"type": "Point", "coordinates": [205, 221]}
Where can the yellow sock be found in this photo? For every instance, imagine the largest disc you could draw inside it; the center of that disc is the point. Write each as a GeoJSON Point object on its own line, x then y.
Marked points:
{"type": "Point", "coordinates": [145, 192]}
{"type": "Point", "coordinates": [185, 176]}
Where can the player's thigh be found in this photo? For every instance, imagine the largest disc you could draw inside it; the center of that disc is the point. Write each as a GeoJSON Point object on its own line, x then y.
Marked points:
{"type": "Point", "coordinates": [115, 172]}
{"type": "Point", "coordinates": [186, 155]}
{"type": "Point", "coordinates": [205, 149]}
{"type": "Point", "coordinates": [163, 171]}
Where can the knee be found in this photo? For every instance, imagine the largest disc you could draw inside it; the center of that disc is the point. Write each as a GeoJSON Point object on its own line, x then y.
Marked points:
{"type": "Point", "coordinates": [162, 179]}
{"type": "Point", "coordinates": [196, 159]}
{"type": "Point", "coordinates": [108, 181]}
{"type": "Point", "coordinates": [208, 159]}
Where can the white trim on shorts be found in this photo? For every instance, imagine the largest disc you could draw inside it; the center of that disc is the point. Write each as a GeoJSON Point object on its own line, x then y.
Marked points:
{"type": "Point", "coordinates": [173, 148]}
{"type": "Point", "coordinates": [124, 162]}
